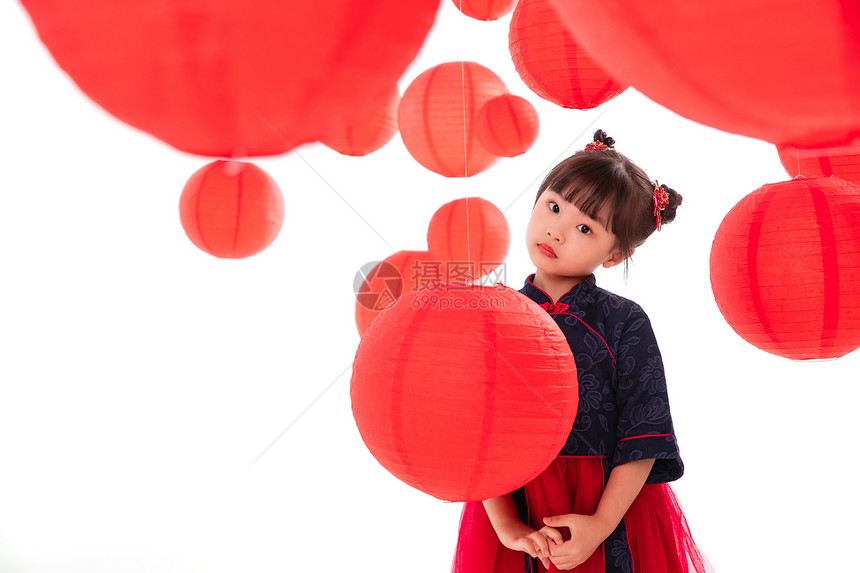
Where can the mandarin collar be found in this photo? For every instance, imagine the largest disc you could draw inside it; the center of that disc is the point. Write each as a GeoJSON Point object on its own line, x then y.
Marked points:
{"type": "Point", "coordinates": [576, 293]}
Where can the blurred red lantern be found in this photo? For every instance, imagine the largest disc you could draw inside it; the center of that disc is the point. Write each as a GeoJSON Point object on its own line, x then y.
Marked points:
{"type": "Point", "coordinates": [437, 117]}
{"type": "Point", "coordinates": [785, 268]}
{"type": "Point", "coordinates": [842, 162]}
{"type": "Point", "coordinates": [786, 72]}
{"type": "Point", "coordinates": [231, 209]}
{"type": "Point", "coordinates": [552, 63]}
{"type": "Point", "coordinates": [485, 9]}
{"type": "Point", "coordinates": [387, 281]}
{"type": "Point", "coordinates": [369, 132]}
{"type": "Point", "coordinates": [228, 78]}
{"type": "Point", "coordinates": [470, 230]}
{"type": "Point", "coordinates": [464, 393]}
{"type": "Point", "coordinates": [507, 125]}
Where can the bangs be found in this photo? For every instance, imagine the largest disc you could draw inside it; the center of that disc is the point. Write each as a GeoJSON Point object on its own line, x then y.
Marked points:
{"type": "Point", "coordinates": [589, 181]}
{"type": "Point", "coordinates": [596, 203]}
{"type": "Point", "coordinates": [610, 189]}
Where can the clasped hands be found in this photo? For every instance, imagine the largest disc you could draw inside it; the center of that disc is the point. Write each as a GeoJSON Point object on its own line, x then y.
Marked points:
{"type": "Point", "coordinates": [587, 532]}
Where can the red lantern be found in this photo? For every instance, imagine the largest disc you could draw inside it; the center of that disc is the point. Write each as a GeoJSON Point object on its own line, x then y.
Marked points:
{"type": "Point", "coordinates": [471, 232]}
{"type": "Point", "coordinates": [386, 282]}
{"type": "Point", "coordinates": [464, 393]}
{"type": "Point", "coordinates": [785, 72]}
{"type": "Point", "coordinates": [785, 268]}
{"type": "Point", "coordinates": [552, 63]}
{"type": "Point", "coordinates": [508, 125]}
{"type": "Point", "coordinates": [231, 209]}
{"type": "Point", "coordinates": [228, 78]}
{"type": "Point", "coordinates": [485, 9]}
{"type": "Point", "coordinates": [369, 132]}
{"type": "Point", "coordinates": [842, 162]}
{"type": "Point", "coordinates": [437, 117]}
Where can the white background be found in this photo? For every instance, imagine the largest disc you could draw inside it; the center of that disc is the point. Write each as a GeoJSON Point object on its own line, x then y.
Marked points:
{"type": "Point", "coordinates": [140, 378]}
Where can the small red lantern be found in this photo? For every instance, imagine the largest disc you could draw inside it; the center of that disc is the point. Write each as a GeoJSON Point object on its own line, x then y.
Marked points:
{"type": "Point", "coordinates": [842, 162]}
{"type": "Point", "coordinates": [469, 231]}
{"type": "Point", "coordinates": [464, 393]}
{"type": "Point", "coordinates": [785, 72]}
{"type": "Point", "coordinates": [231, 209]}
{"type": "Point", "coordinates": [368, 133]}
{"type": "Point", "coordinates": [508, 125]}
{"type": "Point", "coordinates": [552, 63]}
{"type": "Point", "coordinates": [228, 78]}
{"type": "Point", "coordinates": [485, 9]}
{"type": "Point", "coordinates": [785, 268]}
{"type": "Point", "coordinates": [437, 117]}
{"type": "Point", "coordinates": [387, 281]}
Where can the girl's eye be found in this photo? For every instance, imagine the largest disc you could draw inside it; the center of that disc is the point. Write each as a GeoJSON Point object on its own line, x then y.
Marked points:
{"type": "Point", "coordinates": [584, 229]}
{"type": "Point", "coordinates": [553, 206]}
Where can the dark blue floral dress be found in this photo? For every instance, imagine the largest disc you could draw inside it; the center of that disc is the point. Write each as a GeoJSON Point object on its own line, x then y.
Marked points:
{"type": "Point", "coordinates": [623, 412]}
{"type": "Point", "coordinates": [623, 416]}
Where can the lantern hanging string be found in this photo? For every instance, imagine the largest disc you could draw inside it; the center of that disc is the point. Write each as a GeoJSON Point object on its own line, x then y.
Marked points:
{"type": "Point", "coordinates": [465, 166]}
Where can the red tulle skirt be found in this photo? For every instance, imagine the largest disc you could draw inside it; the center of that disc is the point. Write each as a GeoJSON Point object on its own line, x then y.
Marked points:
{"type": "Point", "coordinates": [657, 532]}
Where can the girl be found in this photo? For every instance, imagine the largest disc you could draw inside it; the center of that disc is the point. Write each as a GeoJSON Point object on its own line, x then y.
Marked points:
{"type": "Point", "coordinates": [604, 504]}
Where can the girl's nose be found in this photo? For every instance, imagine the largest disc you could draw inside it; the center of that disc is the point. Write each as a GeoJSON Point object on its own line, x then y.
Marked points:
{"type": "Point", "coordinates": [553, 233]}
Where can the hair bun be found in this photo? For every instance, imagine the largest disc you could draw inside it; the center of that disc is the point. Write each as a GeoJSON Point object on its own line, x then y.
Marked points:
{"type": "Point", "coordinates": [675, 199]}
{"type": "Point", "coordinates": [602, 137]}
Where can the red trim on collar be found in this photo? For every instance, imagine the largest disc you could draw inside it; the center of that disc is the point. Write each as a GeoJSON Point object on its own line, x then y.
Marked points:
{"type": "Point", "coordinates": [529, 279]}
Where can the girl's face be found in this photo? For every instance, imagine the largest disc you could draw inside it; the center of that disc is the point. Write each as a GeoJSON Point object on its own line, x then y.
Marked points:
{"type": "Point", "coordinates": [565, 243]}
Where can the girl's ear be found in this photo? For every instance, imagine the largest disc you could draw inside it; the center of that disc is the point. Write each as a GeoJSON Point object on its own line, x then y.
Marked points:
{"type": "Point", "coordinates": [615, 258]}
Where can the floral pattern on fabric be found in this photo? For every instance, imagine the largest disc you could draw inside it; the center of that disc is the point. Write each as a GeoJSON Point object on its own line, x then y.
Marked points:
{"type": "Point", "coordinates": [623, 402]}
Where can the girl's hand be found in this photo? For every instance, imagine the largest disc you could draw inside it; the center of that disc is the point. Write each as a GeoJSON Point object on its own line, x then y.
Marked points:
{"type": "Point", "coordinates": [520, 537]}
{"type": "Point", "coordinates": [586, 534]}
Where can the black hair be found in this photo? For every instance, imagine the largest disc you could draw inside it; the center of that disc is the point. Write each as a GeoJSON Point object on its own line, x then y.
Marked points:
{"type": "Point", "coordinates": [608, 187]}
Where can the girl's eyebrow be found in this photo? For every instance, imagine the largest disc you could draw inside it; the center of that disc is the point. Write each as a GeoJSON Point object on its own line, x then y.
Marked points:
{"type": "Point", "coordinates": [598, 222]}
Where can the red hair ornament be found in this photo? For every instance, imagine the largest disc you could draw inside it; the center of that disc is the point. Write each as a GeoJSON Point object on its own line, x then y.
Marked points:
{"type": "Point", "coordinates": [661, 201]}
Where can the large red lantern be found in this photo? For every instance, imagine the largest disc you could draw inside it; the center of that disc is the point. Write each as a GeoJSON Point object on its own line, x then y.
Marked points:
{"type": "Point", "coordinates": [438, 113]}
{"type": "Point", "coordinates": [787, 72]}
{"type": "Point", "coordinates": [230, 78]}
{"type": "Point", "coordinates": [464, 393]}
{"type": "Point", "coordinates": [508, 125]}
{"type": "Point", "coordinates": [231, 209]}
{"type": "Point", "coordinates": [388, 280]}
{"type": "Point", "coordinates": [552, 63]}
{"type": "Point", "coordinates": [369, 132]}
{"type": "Point", "coordinates": [785, 268]}
{"type": "Point", "coordinates": [485, 9]}
{"type": "Point", "coordinates": [842, 162]}
{"type": "Point", "coordinates": [471, 232]}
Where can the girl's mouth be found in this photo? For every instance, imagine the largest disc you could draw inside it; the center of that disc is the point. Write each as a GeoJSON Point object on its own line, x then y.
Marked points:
{"type": "Point", "coordinates": [547, 250]}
